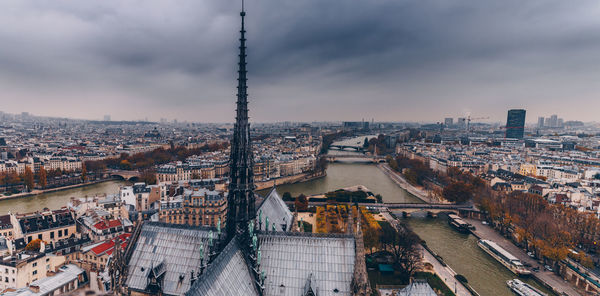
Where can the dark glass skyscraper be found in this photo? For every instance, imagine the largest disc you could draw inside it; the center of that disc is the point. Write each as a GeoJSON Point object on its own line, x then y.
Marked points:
{"type": "Point", "coordinates": [515, 123]}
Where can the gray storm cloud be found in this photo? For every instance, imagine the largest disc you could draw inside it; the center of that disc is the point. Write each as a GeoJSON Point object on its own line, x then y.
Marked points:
{"type": "Point", "coordinates": [308, 60]}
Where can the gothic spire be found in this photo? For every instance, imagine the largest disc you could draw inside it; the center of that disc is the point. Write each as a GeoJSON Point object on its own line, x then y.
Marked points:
{"type": "Point", "coordinates": [241, 208]}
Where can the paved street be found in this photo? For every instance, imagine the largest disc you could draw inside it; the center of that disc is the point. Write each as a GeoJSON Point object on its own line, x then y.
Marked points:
{"type": "Point", "coordinates": [444, 272]}
{"type": "Point", "coordinates": [486, 232]}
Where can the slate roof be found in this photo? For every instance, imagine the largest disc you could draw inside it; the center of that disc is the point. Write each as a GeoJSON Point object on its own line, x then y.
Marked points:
{"type": "Point", "coordinates": [177, 245]}
{"type": "Point", "coordinates": [228, 274]}
{"type": "Point", "coordinates": [277, 211]}
{"type": "Point", "coordinates": [293, 262]}
{"type": "Point", "coordinates": [290, 261]}
{"type": "Point", "coordinates": [416, 288]}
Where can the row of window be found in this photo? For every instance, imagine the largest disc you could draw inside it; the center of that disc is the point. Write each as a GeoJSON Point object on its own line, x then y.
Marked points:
{"type": "Point", "coordinates": [60, 234]}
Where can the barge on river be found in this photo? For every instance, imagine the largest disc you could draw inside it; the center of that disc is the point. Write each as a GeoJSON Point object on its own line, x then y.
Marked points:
{"type": "Point", "coordinates": [523, 289]}
{"type": "Point", "coordinates": [459, 224]}
{"type": "Point", "coordinates": [501, 255]}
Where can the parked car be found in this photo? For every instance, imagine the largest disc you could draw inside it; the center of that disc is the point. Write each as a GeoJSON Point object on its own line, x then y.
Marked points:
{"type": "Point", "coordinates": [536, 269]}
{"type": "Point", "coordinates": [484, 222]}
{"type": "Point", "coordinates": [530, 254]}
{"type": "Point", "coordinates": [548, 268]}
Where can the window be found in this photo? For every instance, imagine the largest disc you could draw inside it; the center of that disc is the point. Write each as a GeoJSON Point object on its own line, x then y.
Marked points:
{"type": "Point", "coordinates": [34, 264]}
{"type": "Point", "coordinates": [34, 272]}
{"type": "Point", "coordinates": [40, 236]}
{"type": "Point", "coordinates": [59, 233]}
{"type": "Point", "coordinates": [52, 235]}
{"type": "Point", "coordinates": [66, 232]}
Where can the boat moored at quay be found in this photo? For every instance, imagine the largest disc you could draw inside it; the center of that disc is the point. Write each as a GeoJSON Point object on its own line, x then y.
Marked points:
{"type": "Point", "coordinates": [501, 255]}
{"type": "Point", "coordinates": [459, 224]}
{"type": "Point", "coordinates": [523, 289]}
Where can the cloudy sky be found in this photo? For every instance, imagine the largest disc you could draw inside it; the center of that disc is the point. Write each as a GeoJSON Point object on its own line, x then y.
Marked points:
{"type": "Point", "coordinates": [392, 60]}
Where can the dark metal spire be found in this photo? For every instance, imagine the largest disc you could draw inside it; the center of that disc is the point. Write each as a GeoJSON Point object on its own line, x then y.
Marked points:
{"type": "Point", "coordinates": [241, 212]}
{"type": "Point", "coordinates": [241, 187]}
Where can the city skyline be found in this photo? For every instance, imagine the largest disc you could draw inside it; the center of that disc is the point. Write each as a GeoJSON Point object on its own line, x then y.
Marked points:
{"type": "Point", "coordinates": [387, 60]}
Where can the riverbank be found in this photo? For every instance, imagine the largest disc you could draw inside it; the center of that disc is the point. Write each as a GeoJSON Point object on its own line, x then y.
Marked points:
{"type": "Point", "coordinates": [546, 278]}
{"type": "Point", "coordinates": [399, 179]}
{"type": "Point", "coordinates": [288, 180]}
{"type": "Point", "coordinates": [443, 271]}
{"type": "Point", "coordinates": [50, 190]}
{"type": "Point", "coordinates": [58, 198]}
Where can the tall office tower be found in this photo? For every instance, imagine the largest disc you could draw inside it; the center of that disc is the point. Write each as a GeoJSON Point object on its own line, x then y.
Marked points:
{"type": "Point", "coordinates": [540, 122]}
{"type": "Point", "coordinates": [515, 123]}
{"type": "Point", "coordinates": [553, 121]}
{"type": "Point", "coordinates": [448, 121]}
{"type": "Point", "coordinates": [462, 122]}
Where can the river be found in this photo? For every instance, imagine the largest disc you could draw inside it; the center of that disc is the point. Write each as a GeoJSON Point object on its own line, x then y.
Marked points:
{"type": "Point", "coordinates": [460, 251]}
{"type": "Point", "coordinates": [57, 199]}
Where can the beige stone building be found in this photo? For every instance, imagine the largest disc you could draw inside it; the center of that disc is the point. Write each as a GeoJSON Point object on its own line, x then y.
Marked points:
{"type": "Point", "coordinates": [19, 270]}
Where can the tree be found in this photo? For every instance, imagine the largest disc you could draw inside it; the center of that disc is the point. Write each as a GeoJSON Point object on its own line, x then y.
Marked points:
{"type": "Point", "coordinates": [321, 165]}
{"type": "Point", "coordinates": [387, 236]}
{"type": "Point", "coordinates": [125, 164]}
{"type": "Point", "coordinates": [43, 182]}
{"type": "Point", "coordinates": [301, 203]}
{"type": "Point", "coordinates": [148, 177]}
{"type": "Point", "coordinates": [458, 192]}
{"type": "Point", "coordinates": [405, 248]}
{"type": "Point", "coordinates": [13, 178]}
{"type": "Point", "coordinates": [28, 178]}
{"type": "Point", "coordinates": [34, 245]}
{"type": "Point", "coordinates": [83, 172]}
{"type": "Point", "coordinates": [287, 196]}
{"type": "Point", "coordinates": [371, 239]}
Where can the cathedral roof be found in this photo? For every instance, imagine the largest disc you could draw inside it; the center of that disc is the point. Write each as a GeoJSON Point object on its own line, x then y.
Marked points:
{"type": "Point", "coordinates": [277, 211]}
{"type": "Point", "coordinates": [228, 274]}
{"type": "Point", "coordinates": [176, 246]}
{"type": "Point", "coordinates": [289, 260]}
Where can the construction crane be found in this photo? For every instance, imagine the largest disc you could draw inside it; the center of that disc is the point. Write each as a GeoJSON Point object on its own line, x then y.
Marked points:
{"type": "Point", "coordinates": [474, 118]}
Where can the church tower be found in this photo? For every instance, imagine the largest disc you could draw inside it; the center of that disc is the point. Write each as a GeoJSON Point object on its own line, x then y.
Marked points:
{"type": "Point", "coordinates": [241, 201]}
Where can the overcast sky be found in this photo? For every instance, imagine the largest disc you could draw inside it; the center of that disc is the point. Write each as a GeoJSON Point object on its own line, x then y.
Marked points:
{"type": "Point", "coordinates": [391, 60]}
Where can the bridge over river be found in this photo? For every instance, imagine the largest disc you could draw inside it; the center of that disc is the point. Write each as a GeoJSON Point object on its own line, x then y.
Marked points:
{"type": "Point", "coordinates": [406, 207]}
{"type": "Point", "coordinates": [357, 156]}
